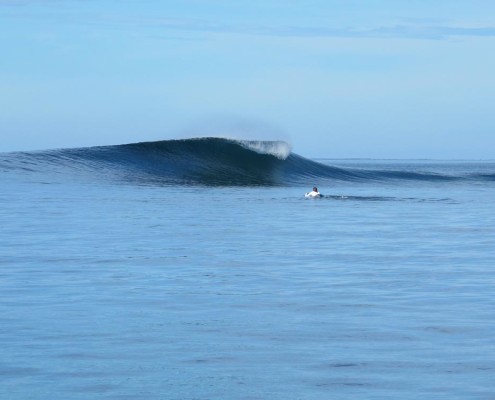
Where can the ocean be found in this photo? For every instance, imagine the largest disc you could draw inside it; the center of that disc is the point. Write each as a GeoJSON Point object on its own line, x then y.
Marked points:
{"type": "Point", "coordinates": [197, 269]}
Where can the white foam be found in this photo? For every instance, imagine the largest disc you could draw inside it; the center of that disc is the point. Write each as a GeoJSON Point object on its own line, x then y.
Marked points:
{"type": "Point", "coordinates": [279, 149]}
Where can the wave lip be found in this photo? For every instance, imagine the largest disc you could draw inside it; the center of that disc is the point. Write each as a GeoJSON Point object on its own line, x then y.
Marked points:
{"type": "Point", "coordinates": [279, 149]}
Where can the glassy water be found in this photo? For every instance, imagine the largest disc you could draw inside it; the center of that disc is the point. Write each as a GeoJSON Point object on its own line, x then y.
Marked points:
{"type": "Point", "coordinates": [379, 290]}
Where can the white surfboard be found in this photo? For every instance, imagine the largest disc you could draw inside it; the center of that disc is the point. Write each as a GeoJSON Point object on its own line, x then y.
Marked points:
{"type": "Point", "coordinates": [313, 195]}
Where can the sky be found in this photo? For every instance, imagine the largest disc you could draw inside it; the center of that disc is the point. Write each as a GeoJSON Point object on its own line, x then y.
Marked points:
{"type": "Point", "coordinates": [335, 78]}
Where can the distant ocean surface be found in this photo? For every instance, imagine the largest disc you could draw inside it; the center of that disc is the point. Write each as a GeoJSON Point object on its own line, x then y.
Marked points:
{"type": "Point", "coordinates": [196, 269]}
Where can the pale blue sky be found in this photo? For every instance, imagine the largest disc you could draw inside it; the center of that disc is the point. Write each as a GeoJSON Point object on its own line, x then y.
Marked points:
{"type": "Point", "coordinates": [379, 79]}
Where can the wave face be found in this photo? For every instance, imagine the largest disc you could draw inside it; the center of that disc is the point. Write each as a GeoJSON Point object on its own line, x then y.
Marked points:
{"type": "Point", "coordinates": [200, 161]}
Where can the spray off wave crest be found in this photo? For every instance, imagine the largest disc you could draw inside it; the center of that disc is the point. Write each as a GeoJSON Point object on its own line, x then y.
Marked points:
{"type": "Point", "coordinates": [279, 149]}
{"type": "Point", "coordinates": [199, 161]}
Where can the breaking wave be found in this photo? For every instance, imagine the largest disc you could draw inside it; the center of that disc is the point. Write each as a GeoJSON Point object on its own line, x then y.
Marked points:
{"type": "Point", "coordinates": [199, 161]}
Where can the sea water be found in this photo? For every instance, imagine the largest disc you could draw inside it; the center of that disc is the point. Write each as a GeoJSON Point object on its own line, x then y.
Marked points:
{"type": "Point", "coordinates": [379, 290]}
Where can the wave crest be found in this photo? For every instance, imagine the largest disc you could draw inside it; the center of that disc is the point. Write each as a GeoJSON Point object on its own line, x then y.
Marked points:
{"type": "Point", "coordinates": [279, 149]}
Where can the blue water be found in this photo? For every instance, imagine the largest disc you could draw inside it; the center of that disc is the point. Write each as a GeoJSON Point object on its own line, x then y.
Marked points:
{"type": "Point", "coordinates": [118, 289]}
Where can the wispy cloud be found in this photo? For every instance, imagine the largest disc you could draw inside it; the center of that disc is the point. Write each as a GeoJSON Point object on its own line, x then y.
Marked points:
{"type": "Point", "coordinates": [406, 28]}
{"type": "Point", "coordinates": [418, 30]}
{"type": "Point", "coordinates": [432, 32]}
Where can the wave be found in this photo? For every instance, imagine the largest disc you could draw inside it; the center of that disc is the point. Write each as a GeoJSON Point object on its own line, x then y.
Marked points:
{"type": "Point", "coordinates": [200, 161]}
{"type": "Point", "coordinates": [203, 161]}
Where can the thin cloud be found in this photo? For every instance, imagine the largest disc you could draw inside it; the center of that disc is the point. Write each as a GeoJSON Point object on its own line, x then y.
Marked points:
{"type": "Point", "coordinates": [397, 31]}
{"type": "Point", "coordinates": [425, 29]}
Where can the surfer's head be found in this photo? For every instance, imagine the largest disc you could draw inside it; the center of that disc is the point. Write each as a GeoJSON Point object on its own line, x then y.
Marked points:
{"type": "Point", "coordinates": [315, 189]}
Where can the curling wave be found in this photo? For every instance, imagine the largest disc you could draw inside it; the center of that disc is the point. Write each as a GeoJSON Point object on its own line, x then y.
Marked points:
{"type": "Point", "coordinates": [203, 161]}
{"type": "Point", "coordinates": [199, 161]}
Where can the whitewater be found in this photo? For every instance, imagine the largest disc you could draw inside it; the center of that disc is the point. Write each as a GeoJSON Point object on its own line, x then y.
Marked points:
{"type": "Point", "coordinates": [197, 269]}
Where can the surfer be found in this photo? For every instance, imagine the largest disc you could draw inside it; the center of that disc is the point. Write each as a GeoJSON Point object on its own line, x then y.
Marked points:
{"type": "Point", "coordinates": [314, 193]}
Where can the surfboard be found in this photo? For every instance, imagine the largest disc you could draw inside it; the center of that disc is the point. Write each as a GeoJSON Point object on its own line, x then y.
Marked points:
{"type": "Point", "coordinates": [312, 195]}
